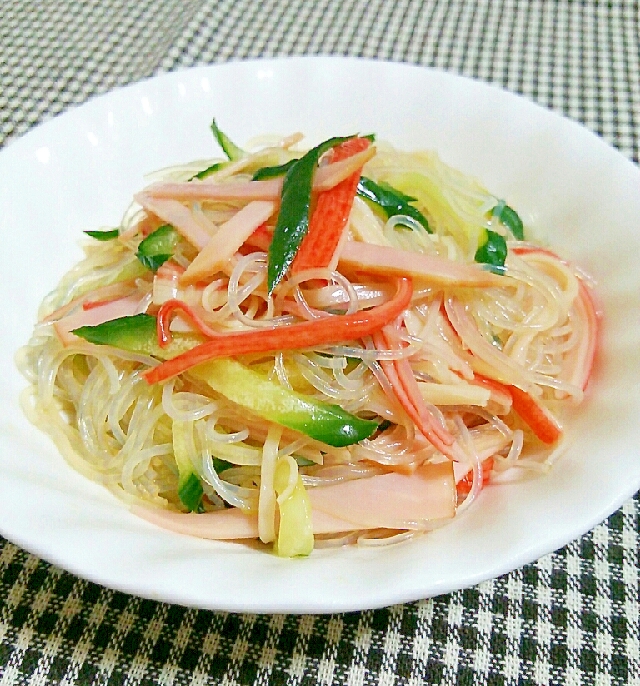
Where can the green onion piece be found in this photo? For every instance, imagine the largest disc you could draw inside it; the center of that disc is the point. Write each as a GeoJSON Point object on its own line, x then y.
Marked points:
{"type": "Point", "coordinates": [108, 235]}
{"type": "Point", "coordinates": [392, 202]}
{"type": "Point", "coordinates": [493, 251]}
{"type": "Point", "coordinates": [230, 149]}
{"type": "Point", "coordinates": [510, 218]}
{"type": "Point", "coordinates": [293, 218]}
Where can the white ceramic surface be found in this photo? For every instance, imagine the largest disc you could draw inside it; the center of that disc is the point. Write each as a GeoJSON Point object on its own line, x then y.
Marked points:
{"type": "Point", "coordinates": [79, 171]}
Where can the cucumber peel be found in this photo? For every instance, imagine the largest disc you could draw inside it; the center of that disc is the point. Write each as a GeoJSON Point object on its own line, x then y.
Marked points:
{"type": "Point", "coordinates": [248, 388]}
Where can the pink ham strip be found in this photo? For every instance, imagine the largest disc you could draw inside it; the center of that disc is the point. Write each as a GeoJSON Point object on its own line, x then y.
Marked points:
{"type": "Point", "coordinates": [227, 240]}
{"type": "Point", "coordinates": [387, 501]}
{"type": "Point", "coordinates": [123, 307]}
{"type": "Point", "coordinates": [178, 215]}
{"type": "Point", "coordinates": [325, 177]}
{"type": "Point", "coordinates": [331, 175]}
{"type": "Point", "coordinates": [227, 525]}
{"type": "Point", "coordinates": [385, 260]}
{"type": "Point", "coordinates": [391, 501]}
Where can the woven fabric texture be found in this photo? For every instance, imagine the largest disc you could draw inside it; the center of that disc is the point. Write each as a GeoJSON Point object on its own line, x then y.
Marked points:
{"type": "Point", "coordinates": [571, 617]}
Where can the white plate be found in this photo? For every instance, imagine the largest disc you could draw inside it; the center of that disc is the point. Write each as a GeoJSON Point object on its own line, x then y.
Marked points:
{"type": "Point", "coordinates": [79, 171]}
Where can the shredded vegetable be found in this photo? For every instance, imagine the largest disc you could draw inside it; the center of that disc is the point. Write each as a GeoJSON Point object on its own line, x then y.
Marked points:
{"type": "Point", "coordinates": [309, 344]}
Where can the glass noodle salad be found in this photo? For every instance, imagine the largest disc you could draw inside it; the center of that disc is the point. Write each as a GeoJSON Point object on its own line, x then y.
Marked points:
{"type": "Point", "coordinates": [311, 347]}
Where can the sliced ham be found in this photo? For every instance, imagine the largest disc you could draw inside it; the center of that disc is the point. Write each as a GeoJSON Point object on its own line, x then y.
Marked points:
{"type": "Point", "coordinates": [388, 501]}
{"type": "Point", "coordinates": [91, 299]}
{"type": "Point", "coordinates": [391, 501]}
{"type": "Point", "coordinates": [325, 177]}
{"type": "Point", "coordinates": [227, 240]}
{"type": "Point", "coordinates": [385, 260]}
{"type": "Point", "coordinates": [179, 216]}
{"type": "Point", "coordinates": [227, 525]}
{"type": "Point", "coordinates": [114, 309]}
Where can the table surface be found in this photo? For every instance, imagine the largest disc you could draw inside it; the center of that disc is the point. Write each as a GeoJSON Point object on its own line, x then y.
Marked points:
{"type": "Point", "coordinates": [571, 617]}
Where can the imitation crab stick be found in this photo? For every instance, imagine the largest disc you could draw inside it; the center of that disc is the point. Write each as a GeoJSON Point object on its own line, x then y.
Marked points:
{"type": "Point", "coordinates": [331, 214]}
{"type": "Point", "coordinates": [536, 416]}
{"type": "Point", "coordinates": [532, 412]}
{"type": "Point", "coordinates": [260, 238]}
{"type": "Point", "coordinates": [586, 352]}
{"type": "Point", "coordinates": [324, 331]}
{"type": "Point", "coordinates": [98, 296]}
{"type": "Point", "coordinates": [465, 483]}
{"type": "Point", "coordinates": [168, 309]}
{"type": "Point", "coordinates": [407, 392]}
{"type": "Point", "coordinates": [389, 501]}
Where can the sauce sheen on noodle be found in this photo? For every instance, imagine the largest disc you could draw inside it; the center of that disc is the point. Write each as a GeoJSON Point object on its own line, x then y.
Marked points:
{"type": "Point", "coordinates": [311, 347]}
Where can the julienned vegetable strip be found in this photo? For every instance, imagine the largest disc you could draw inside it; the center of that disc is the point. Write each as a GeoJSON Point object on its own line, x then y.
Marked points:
{"type": "Point", "coordinates": [107, 235]}
{"type": "Point", "coordinates": [324, 331]}
{"type": "Point", "coordinates": [293, 217]}
{"type": "Point", "coordinates": [230, 149]}
{"type": "Point", "coordinates": [391, 201]}
{"type": "Point", "coordinates": [509, 218]}
{"type": "Point", "coordinates": [252, 390]}
{"type": "Point", "coordinates": [492, 250]}
{"type": "Point", "coordinates": [322, 421]}
{"type": "Point", "coordinates": [330, 215]}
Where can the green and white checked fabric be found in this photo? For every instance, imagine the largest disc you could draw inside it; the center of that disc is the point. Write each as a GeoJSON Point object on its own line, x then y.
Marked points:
{"type": "Point", "coordinates": [572, 617]}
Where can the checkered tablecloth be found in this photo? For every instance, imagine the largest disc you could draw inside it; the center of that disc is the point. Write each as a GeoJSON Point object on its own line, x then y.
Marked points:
{"type": "Point", "coordinates": [571, 617]}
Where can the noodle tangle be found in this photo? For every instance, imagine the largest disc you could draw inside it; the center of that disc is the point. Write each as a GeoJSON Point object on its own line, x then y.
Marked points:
{"type": "Point", "coordinates": [472, 382]}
